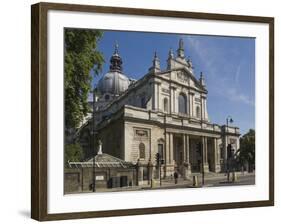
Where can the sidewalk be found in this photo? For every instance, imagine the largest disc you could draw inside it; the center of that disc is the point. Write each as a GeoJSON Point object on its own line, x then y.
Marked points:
{"type": "Point", "coordinates": [210, 180]}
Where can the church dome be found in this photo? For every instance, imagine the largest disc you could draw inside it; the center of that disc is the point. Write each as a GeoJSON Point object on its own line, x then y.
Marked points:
{"type": "Point", "coordinates": [114, 82]}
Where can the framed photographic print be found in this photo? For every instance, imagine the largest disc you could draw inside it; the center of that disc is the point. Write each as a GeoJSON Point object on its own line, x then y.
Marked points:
{"type": "Point", "coordinates": [138, 111]}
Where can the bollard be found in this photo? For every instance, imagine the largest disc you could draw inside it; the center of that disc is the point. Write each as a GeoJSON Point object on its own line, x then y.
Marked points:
{"type": "Point", "coordinates": [152, 183]}
{"type": "Point", "coordinates": [234, 177]}
{"type": "Point", "coordinates": [195, 181]}
{"type": "Point", "coordinates": [228, 176]}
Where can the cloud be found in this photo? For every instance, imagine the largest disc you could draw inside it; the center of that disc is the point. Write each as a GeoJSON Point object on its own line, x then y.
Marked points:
{"type": "Point", "coordinates": [206, 54]}
{"type": "Point", "coordinates": [234, 95]}
{"type": "Point", "coordinates": [220, 71]}
{"type": "Point", "coordinates": [237, 74]}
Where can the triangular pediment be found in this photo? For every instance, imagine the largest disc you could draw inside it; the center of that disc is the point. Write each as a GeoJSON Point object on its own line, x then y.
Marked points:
{"type": "Point", "coordinates": [185, 77]}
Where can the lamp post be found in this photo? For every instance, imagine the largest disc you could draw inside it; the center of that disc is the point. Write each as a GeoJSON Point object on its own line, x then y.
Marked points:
{"type": "Point", "coordinates": [228, 120]}
{"type": "Point", "coordinates": [93, 134]}
{"type": "Point", "coordinates": [158, 159]}
{"type": "Point", "coordinates": [228, 151]}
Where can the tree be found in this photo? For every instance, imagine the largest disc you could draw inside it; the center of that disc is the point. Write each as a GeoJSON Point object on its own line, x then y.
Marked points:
{"type": "Point", "coordinates": [73, 153]}
{"type": "Point", "coordinates": [81, 58]}
{"type": "Point", "coordinates": [246, 153]}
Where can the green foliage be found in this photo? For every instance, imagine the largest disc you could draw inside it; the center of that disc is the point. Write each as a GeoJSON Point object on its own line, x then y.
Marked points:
{"type": "Point", "coordinates": [81, 57]}
{"type": "Point", "coordinates": [73, 153]}
{"type": "Point", "coordinates": [246, 153]}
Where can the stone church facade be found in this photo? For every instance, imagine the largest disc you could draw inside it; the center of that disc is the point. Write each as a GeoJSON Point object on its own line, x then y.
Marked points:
{"type": "Point", "coordinates": [164, 112]}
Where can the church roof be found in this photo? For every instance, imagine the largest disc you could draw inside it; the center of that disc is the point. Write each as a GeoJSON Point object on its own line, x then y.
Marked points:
{"type": "Point", "coordinates": [103, 160]}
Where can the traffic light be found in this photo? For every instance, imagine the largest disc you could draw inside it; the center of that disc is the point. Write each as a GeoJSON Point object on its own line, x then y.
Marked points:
{"type": "Point", "coordinates": [157, 158]}
{"type": "Point", "coordinates": [198, 148]}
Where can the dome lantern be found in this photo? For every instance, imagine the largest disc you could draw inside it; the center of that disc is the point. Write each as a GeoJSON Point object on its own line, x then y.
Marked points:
{"type": "Point", "coordinates": [114, 82]}
{"type": "Point", "coordinates": [116, 61]}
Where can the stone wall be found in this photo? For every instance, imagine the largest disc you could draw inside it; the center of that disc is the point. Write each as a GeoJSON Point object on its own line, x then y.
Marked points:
{"type": "Point", "coordinates": [77, 180]}
{"type": "Point", "coordinates": [112, 137]}
{"type": "Point", "coordinates": [152, 135]}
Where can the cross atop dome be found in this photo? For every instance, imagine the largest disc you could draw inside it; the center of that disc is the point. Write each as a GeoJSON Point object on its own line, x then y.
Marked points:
{"type": "Point", "coordinates": [116, 46]}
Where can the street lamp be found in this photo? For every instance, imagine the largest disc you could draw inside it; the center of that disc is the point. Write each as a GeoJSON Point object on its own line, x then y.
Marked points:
{"type": "Point", "coordinates": [229, 151]}
{"type": "Point", "coordinates": [159, 161]}
{"type": "Point", "coordinates": [229, 120]}
{"type": "Point", "coordinates": [93, 134]}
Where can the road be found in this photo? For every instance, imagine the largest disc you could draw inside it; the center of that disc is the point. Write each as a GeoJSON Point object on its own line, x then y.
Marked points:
{"type": "Point", "coordinates": [209, 181]}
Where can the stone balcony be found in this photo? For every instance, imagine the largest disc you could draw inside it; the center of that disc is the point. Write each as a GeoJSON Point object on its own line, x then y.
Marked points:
{"type": "Point", "coordinates": [160, 117]}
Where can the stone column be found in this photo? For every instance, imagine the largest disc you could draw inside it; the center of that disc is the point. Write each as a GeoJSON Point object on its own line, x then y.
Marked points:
{"type": "Point", "coordinates": [205, 154]}
{"type": "Point", "coordinates": [170, 102]}
{"type": "Point", "coordinates": [158, 96]}
{"type": "Point", "coordinates": [172, 99]}
{"type": "Point", "coordinates": [217, 156]}
{"type": "Point", "coordinates": [139, 169]}
{"type": "Point", "coordinates": [225, 147]}
{"type": "Point", "coordinates": [190, 104]}
{"type": "Point", "coordinates": [169, 159]}
{"type": "Point", "coordinates": [171, 151]}
{"type": "Point", "coordinates": [184, 147]}
{"type": "Point", "coordinates": [187, 168]}
{"type": "Point", "coordinates": [155, 96]}
{"type": "Point", "coordinates": [187, 156]}
{"type": "Point", "coordinates": [166, 158]}
{"type": "Point", "coordinates": [203, 107]}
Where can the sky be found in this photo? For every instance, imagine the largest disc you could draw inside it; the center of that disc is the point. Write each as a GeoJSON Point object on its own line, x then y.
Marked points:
{"type": "Point", "coordinates": [228, 64]}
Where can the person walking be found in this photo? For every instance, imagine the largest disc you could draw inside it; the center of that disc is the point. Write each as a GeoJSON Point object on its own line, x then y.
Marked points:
{"type": "Point", "coordinates": [176, 176]}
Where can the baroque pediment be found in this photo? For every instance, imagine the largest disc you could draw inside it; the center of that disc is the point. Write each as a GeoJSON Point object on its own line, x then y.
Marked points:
{"type": "Point", "coordinates": [182, 77]}
{"type": "Point", "coordinates": [185, 77]}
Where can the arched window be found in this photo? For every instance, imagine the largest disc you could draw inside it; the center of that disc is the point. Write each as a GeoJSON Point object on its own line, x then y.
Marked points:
{"type": "Point", "coordinates": [142, 151]}
{"type": "Point", "coordinates": [182, 104]}
{"type": "Point", "coordinates": [165, 105]}
{"type": "Point", "coordinates": [198, 112]}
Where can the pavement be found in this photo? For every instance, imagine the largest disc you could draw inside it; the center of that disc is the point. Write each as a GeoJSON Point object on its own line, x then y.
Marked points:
{"type": "Point", "coordinates": [210, 180]}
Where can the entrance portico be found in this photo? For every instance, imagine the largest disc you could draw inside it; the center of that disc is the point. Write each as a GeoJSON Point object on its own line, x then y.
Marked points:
{"type": "Point", "coordinates": [189, 153]}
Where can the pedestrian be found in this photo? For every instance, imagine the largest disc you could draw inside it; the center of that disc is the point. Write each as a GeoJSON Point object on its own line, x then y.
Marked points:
{"type": "Point", "coordinates": [176, 175]}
